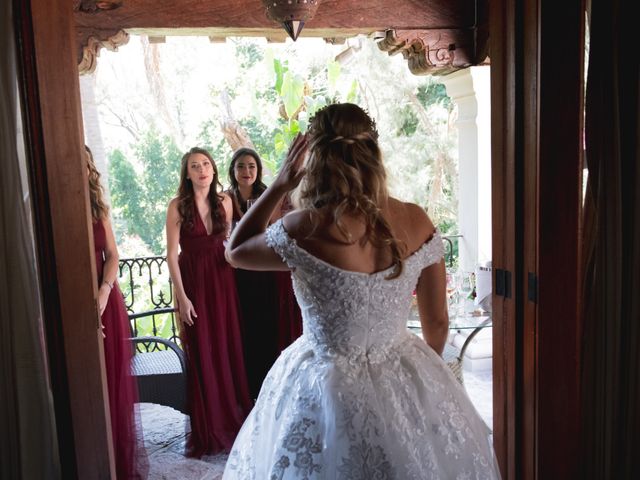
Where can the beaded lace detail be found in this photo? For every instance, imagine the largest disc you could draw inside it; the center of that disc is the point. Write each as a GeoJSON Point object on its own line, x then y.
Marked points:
{"type": "Point", "coordinates": [358, 396]}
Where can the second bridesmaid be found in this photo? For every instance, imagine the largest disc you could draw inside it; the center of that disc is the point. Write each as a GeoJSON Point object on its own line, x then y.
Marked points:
{"type": "Point", "coordinates": [257, 291]}
{"type": "Point", "coordinates": [198, 221]}
{"type": "Point", "coordinates": [269, 311]}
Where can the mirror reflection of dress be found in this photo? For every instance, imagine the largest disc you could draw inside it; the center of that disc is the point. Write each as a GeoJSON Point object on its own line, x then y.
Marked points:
{"type": "Point", "coordinates": [217, 394]}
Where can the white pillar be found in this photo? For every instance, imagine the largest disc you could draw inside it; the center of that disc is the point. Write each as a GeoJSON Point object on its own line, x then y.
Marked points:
{"type": "Point", "coordinates": [92, 133]}
{"type": "Point", "coordinates": [470, 91]}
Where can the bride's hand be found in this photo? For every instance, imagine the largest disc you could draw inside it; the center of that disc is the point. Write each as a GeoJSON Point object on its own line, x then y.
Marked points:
{"type": "Point", "coordinates": [292, 172]}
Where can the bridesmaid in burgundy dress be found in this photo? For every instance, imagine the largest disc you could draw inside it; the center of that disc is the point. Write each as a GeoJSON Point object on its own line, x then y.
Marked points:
{"type": "Point", "coordinates": [131, 461]}
{"type": "Point", "coordinates": [270, 314]}
{"type": "Point", "coordinates": [198, 221]}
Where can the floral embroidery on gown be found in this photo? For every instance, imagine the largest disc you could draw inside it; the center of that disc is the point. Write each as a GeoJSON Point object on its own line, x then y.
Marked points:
{"type": "Point", "coordinates": [358, 396]}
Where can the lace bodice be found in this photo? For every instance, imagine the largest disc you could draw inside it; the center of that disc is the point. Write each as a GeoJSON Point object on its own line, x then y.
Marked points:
{"type": "Point", "coordinates": [351, 313]}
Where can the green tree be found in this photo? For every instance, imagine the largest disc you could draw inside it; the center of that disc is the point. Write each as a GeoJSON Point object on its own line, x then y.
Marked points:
{"type": "Point", "coordinates": [141, 197]}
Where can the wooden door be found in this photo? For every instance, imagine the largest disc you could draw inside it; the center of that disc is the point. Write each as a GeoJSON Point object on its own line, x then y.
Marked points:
{"type": "Point", "coordinates": [537, 99]}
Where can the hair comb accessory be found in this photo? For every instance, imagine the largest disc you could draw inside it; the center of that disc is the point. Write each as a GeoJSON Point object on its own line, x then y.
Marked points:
{"type": "Point", "coordinates": [351, 140]}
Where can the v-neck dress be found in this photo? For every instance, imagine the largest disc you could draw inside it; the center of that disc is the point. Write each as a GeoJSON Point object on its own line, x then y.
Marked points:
{"type": "Point", "coordinates": [217, 393]}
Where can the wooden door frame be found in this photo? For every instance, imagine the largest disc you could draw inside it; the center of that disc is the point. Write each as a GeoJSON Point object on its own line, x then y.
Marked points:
{"type": "Point", "coordinates": [535, 344]}
{"type": "Point", "coordinates": [504, 140]}
{"type": "Point", "coordinates": [537, 103]}
{"type": "Point", "coordinates": [559, 157]}
{"type": "Point", "coordinates": [50, 102]}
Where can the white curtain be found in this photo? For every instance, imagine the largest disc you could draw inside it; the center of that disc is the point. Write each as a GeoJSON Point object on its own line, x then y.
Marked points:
{"type": "Point", "coordinates": [28, 447]}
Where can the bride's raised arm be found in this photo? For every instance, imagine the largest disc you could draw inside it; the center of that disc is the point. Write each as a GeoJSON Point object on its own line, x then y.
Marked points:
{"type": "Point", "coordinates": [247, 247]}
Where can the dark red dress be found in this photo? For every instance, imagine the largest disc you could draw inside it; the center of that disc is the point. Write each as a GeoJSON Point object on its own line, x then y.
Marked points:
{"type": "Point", "coordinates": [130, 457]}
{"type": "Point", "coordinates": [258, 294]}
{"type": "Point", "coordinates": [270, 316]}
{"type": "Point", "coordinates": [289, 315]}
{"type": "Point", "coordinates": [217, 394]}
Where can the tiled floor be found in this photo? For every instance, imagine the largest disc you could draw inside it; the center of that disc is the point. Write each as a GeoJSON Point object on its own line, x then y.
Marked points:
{"type": "Point", "coordinates": [164, 434]}
{"type": "Point", "coordinates": [479, 386]}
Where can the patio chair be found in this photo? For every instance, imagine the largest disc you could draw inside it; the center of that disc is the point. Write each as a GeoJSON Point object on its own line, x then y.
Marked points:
{"type": "Point", "coordinates": [454, 357]}
{"type": "Point", "coordinates": [160, 374]}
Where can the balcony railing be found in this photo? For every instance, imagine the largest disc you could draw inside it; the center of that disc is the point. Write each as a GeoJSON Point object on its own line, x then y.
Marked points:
{"type": "Point", "coordinates": [451, 249]}
{"type": "Point", "coordinates": [148, 297]}
{"type": "Point", "coordinates": [148, 294]}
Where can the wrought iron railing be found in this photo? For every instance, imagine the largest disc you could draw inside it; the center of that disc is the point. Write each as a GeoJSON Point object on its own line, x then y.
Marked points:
{"type": "Point", "coordinates": [148, 297]}
{"type": "Point", "coordinates": [148, 294]}
{"type": "Point", "coordinates": [451, 249]}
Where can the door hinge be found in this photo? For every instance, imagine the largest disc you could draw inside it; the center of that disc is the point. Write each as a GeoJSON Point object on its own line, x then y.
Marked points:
{"type": "Point", "coordinates": [503, 283]}
{"type": "Point", "coordinates": [532, 287]}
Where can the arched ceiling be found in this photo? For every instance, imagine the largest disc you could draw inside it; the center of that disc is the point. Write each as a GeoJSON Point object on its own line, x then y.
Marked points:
{"type": "Point", "coordinates": [435, 36]}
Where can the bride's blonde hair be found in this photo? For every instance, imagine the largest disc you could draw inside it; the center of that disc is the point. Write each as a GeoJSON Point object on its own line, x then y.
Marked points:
{"type": "Point", "coordinates": [345, 175]}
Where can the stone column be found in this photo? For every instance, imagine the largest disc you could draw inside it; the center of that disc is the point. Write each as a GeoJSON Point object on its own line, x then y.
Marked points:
{"type": "Point", "coordinates": [92, 133]}
{"type": "Point", "coordinates": [470, 91]}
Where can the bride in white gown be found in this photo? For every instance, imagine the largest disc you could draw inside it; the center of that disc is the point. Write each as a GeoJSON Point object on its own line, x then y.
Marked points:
{"type": "Point", "coordinates": [357, 396]}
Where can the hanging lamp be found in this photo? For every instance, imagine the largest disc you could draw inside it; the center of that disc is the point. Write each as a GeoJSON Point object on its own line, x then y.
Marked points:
{"type": "Point", "coordinates": [291, 14]}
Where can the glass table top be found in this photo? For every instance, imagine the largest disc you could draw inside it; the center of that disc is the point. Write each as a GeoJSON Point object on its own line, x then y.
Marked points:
{"type": "Point", "coordinates": [466, 322]}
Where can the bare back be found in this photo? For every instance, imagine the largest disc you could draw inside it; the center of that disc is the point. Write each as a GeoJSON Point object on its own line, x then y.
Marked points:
{"type": "Point", "coordinates": [409, 224]}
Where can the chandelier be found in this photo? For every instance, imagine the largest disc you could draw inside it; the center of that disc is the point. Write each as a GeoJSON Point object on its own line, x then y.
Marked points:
{"type": "Point", "coordinates": [292, 14]}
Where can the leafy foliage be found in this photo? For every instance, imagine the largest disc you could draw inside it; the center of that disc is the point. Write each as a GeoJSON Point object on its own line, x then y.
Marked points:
{"type": "Point", "coordinates": [141, 197]}
{"type": "Point", "coordinates": [274, 90]}
{"type": "Point", "coordinates": [248, 53]}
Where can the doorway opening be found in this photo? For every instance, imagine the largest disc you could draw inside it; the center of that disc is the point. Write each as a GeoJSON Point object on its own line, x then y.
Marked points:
{"type": "Point", "coordinates": [157, 97]}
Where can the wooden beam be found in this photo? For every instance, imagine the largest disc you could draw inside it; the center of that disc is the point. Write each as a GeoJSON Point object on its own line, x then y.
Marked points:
{"type": "Point", "coordinates": [335, 14]}
{"type": "Point", "coordinates": [436, 38]}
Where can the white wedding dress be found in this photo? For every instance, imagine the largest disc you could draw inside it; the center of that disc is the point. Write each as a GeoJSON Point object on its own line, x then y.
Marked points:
{"type": "Point", "coordinates": [358, 396]}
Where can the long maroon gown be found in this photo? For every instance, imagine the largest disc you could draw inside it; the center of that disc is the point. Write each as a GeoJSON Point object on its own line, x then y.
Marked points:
{"type": "Point", "coordinates": [217, 394]}
{"type": "Point", "coordinates": [130, 457]}
{"type": "Point", "coordinates": [289, 315]}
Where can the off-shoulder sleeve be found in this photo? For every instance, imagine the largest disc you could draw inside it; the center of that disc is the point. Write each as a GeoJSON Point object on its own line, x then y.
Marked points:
{"type": "Point", "coordinates": [278, 239]}
{"type": "Point", "coordinates": [432, 251]}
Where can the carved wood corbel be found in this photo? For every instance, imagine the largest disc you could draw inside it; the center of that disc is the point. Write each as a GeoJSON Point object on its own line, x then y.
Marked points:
{"type": "Point", "coordinates": [424, 60]}
{"type": "Point", "coordinates": [429, 52]}
{"type": "Point", "coordinates": [91, 49]}
{"type": "Point", "coordinates": [95, 6]}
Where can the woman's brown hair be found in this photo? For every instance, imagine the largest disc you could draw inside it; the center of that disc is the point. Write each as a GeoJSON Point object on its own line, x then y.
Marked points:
{"type": "Point", "coordinates": [258, 186]}
{"type": "Point", "coordinates": [186, 206]}
{"type": "Point", "coordinates": [99, 209]}
{"type": "Point", "coordinates": [345, 175]}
